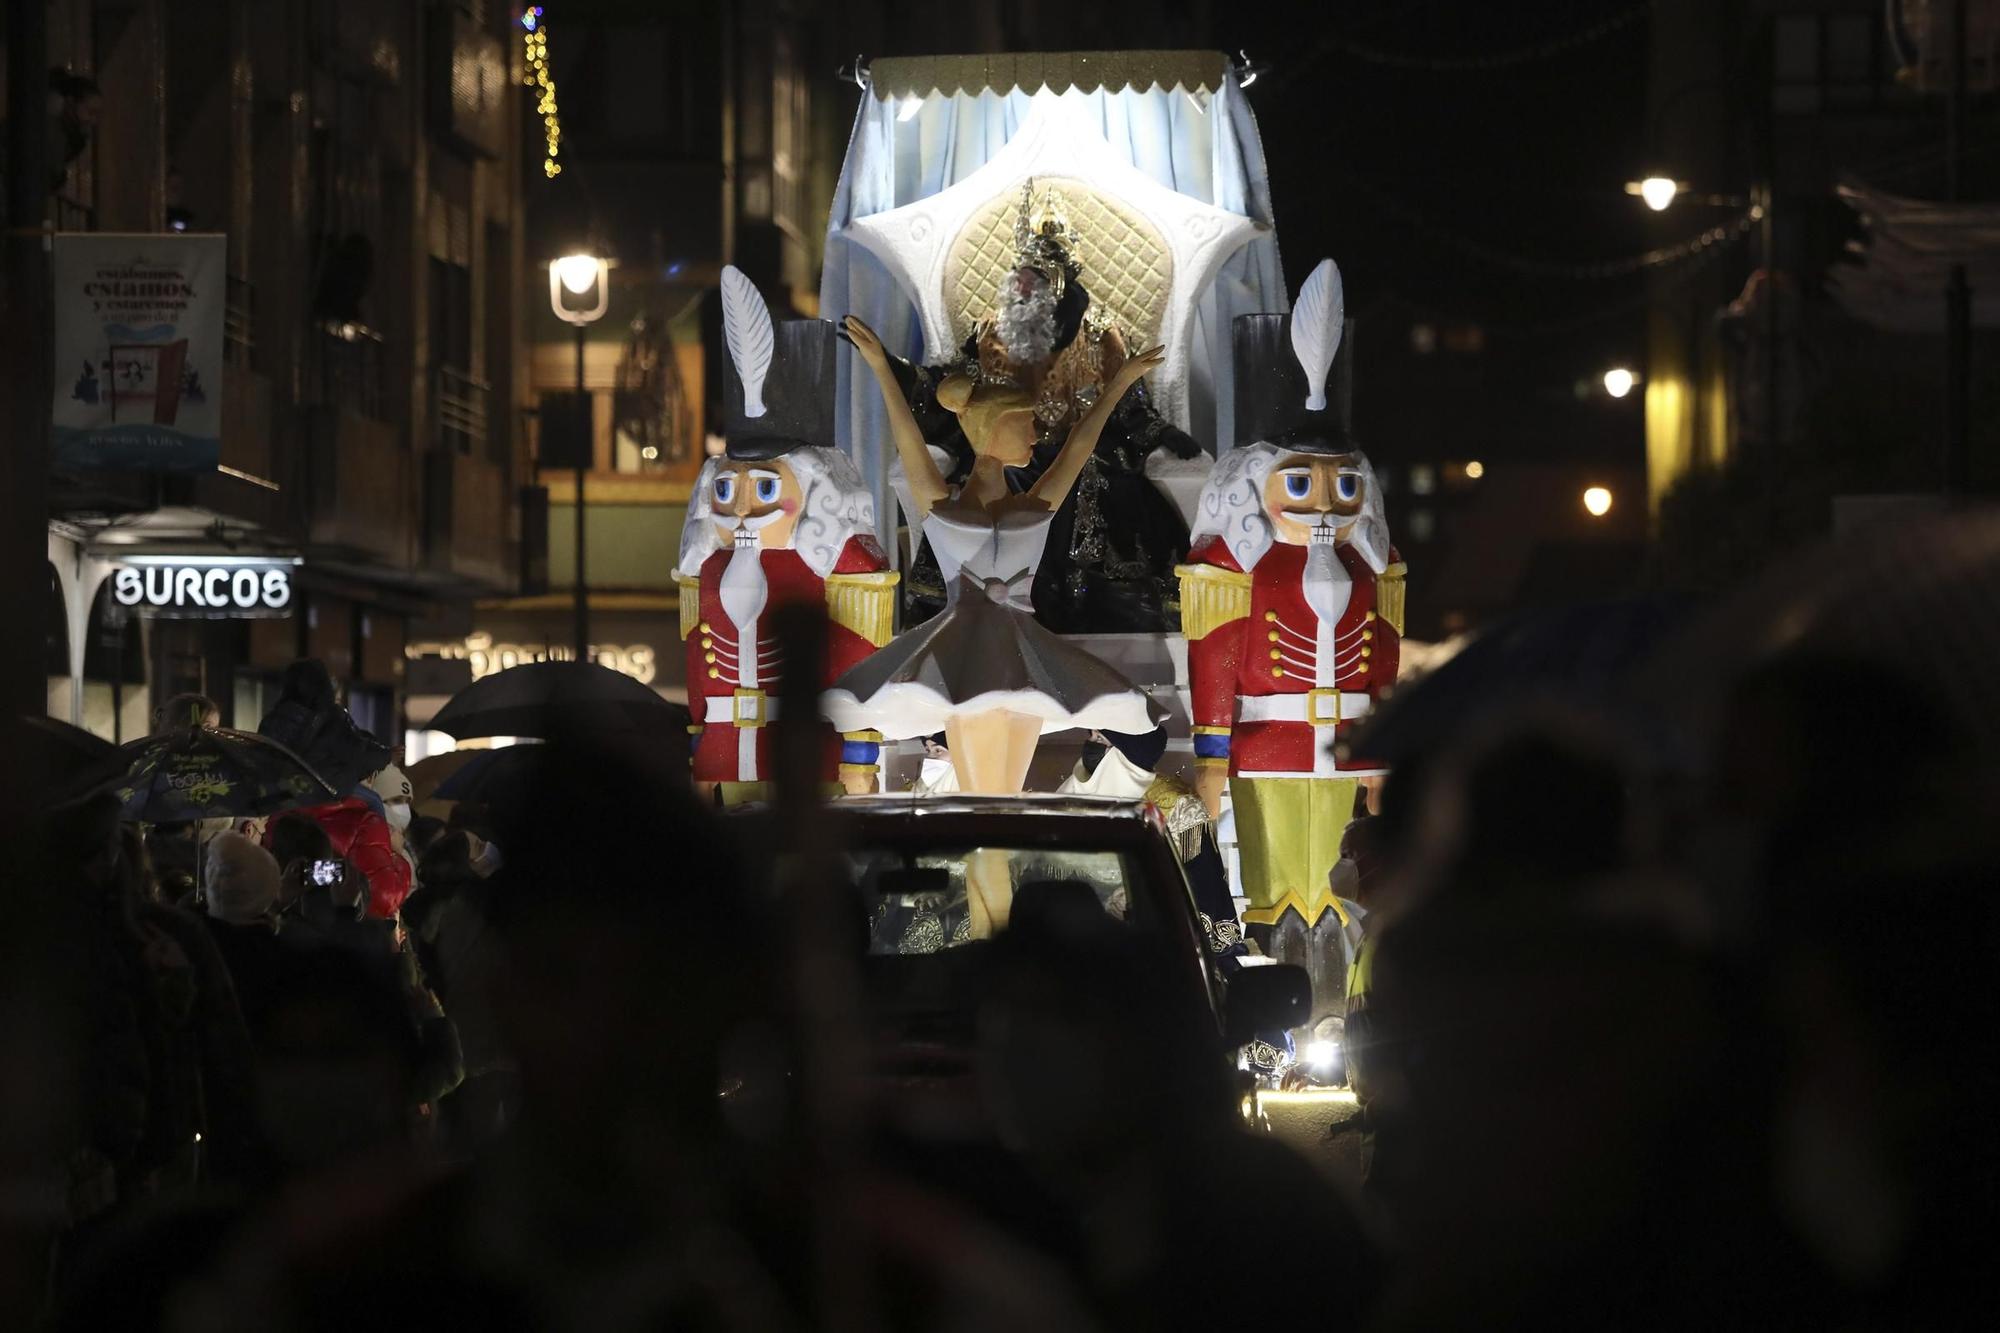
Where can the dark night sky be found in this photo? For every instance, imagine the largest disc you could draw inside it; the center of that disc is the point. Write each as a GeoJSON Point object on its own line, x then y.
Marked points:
{"type": "Point", "coordinates": [1529, 160]}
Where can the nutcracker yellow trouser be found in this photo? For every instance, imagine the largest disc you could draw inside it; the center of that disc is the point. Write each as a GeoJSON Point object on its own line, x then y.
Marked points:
{"type": "Point", "coordinates": [1287, 838]}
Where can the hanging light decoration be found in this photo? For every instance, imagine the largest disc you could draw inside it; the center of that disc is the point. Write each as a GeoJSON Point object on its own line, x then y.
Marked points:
{"type": "Point", "coordinates": [535, 74]}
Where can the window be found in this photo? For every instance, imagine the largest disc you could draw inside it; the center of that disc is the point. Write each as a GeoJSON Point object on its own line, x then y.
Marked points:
{"type": "Point", "coordinates": [944, 897]}
{"type": "Point", "coordinates": [1839, 61]}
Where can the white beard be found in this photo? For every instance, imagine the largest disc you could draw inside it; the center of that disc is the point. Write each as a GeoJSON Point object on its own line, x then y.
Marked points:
{"type": "Point", "coordinates": [1026, 325]}
{"type": "Point", "coordinates": [744, 589]}
{"type": "Point", "coordinates": [1328, 586]}
{"type": "Point", "coordinates": [1115, 776]}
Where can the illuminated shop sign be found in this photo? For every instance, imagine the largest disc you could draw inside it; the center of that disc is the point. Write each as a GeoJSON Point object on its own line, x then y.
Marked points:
{"type": "Point", "coordinates": [485, 656]}
{"type": "Point", "coordinates": [220, 586]}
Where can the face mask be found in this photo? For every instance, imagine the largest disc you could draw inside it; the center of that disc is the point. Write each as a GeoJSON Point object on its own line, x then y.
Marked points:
{"type": "Point", "coordinates": [398, 815]}
{"type": "Point", "coordinates": [1093, 754]}
{"type": "Point", "coordinates": [937, 775]}
{"type": "Point", "coordinates": [486, 860]}
{"type": "Point", "coordinates": [1345, 878]}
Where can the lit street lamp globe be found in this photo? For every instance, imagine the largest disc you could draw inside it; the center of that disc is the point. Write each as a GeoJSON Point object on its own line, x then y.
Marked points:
{"type": "Point", "coordinates": [1658, 192]}
{"type": "Point", "coordinates": [1618, 381]}
{"type": "Point", "coordinates": [577, 273]}
{"type": "Point", "coordinates": [1597, 501]}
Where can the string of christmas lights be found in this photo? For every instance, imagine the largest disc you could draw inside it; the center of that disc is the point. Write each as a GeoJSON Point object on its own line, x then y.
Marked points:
{"type": "Point", "coordinates": [535, 74]}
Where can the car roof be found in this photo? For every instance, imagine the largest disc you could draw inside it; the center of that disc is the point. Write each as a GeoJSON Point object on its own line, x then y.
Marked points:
{"type": "Point", "coordinates": [1037, 804]}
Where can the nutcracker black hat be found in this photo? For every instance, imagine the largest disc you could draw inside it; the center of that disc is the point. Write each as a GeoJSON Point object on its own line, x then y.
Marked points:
{"type": "Point", "coordinates": [778, 385]}
{"type": "Point", "coordinates": [1295, 373]}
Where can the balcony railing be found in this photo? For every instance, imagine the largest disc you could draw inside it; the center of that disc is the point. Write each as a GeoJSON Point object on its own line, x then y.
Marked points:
{"type": "Point", "coordinates": [347, 369]}
{"type": "Point", "coordinates": [459, 408]}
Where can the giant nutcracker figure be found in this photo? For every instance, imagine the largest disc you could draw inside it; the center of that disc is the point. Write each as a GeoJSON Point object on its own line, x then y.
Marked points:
{"type": "Point", "coordinates": [780, 518]}
{"type": "Point", "coordinates": [1292, 604]}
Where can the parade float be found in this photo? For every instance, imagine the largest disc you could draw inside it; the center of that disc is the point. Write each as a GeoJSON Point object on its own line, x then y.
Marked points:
{"type": "Point", "coordinates": [1107, 457]}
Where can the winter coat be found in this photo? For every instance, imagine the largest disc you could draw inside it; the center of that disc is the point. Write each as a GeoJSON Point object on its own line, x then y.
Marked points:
{"type": "Point", "coordinates": [309, 720]}
{"type": "Point", "coordinates": [360, 833]}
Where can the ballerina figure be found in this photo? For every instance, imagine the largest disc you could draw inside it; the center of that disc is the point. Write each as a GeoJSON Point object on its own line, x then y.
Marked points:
{"type": "Point", "coordinates": [984, 672]}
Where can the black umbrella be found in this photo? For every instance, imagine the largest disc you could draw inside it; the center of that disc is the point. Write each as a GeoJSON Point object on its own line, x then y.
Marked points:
{"type": "Point", "coordinates": [547, 699]}
{"type": "Point", "coordinates": [69, 761]}
{"type": "Point", "coordinates": [213, 772]}
{"type": "Point", "coordinates": [1577, 655]}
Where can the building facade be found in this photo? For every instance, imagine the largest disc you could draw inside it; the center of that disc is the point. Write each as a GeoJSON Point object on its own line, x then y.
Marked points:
{"type": "Point", "coordinates": [362, 160]}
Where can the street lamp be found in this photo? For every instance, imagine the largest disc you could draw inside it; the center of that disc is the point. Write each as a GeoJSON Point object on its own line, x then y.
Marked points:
{"type": "Point", "coordinates": [1657, 191]}
{"type": "Point", "coordinates": [1597, 501]}
{"type": "Point", "coordinates": [579, 293]}
{"type": "Point", "coordinates": [1618, 381]}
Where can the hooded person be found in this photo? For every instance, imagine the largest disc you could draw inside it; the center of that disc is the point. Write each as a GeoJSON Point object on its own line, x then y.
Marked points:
{"type": "Point", "coordinates": [782, 518]}
{"type": "Point", "coordinates": [309, 720]}
{"type": "Point", "coordinates": [1292, 604]}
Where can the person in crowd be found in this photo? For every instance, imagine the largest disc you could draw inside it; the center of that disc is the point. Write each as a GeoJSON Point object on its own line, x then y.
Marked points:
{"type": "Point", "coordinates": [450, 928]}
{"type": "Point", "coordinates": [165, 1100]}
{"type": "Point", "coordinates": [330, 910]}
{"type": "Point", "coordinates": [618, 1197]}
{"type": "Point", "coordinates": [309, 719]}
{"type": "Point", "coordinates": [240, 886]}
{"type": "Point", "coordinates": [186, 710]}
{"type": "Point", "coordinates": [1872, 954]}
{"type": "Point", "coordinates": [1134, 1127]}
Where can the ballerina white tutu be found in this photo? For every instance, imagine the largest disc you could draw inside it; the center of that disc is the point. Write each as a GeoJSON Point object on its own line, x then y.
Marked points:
{"type": "Point", "coordinates": [985, 651]}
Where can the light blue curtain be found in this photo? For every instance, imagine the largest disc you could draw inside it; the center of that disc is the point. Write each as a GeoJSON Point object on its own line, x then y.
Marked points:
{"type": "Point", "coordinates": [1212, 154]}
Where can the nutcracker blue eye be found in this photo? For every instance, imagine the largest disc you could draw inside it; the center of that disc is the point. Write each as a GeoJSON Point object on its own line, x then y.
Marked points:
{"type": "Point", "coordinates": [767, 490]}
{"type": "Point", "coordinates": [1298, 485]}
{"type": "Point", "coordinates": [725, 489]}
{"type": "Point", "coordinates": [1348, 486]}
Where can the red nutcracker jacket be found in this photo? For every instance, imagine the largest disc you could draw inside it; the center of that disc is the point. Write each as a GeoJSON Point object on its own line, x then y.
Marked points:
{"type": "Point", "coordinates": [1271, 693]}
{"type": "Point", "coordinates": [732, 694]}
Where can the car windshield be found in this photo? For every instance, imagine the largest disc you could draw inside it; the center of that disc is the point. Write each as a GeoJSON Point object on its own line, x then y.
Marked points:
{"type": "Point", "coordinates": [930, 899]}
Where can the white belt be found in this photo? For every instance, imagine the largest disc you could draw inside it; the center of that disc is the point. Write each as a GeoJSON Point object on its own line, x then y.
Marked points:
{"type": "Point", "coordinates": [1321, 707]}
{"type": "Point", "coordinates": [744, 708]}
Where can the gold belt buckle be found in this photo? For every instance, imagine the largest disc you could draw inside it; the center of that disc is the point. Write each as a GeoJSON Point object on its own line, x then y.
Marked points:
{"type": "Point", "coordinates": [1316, 696]}
{"type": "Point", "coordinates": [747, 708]}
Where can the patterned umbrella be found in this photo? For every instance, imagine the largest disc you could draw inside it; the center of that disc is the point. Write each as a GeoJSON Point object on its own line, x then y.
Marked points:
{"type": "Point", "coordinates": [213, 772]}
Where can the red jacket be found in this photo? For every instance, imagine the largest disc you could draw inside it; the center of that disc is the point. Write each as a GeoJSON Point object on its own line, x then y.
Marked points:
{"type": "Point", "coordinates": [362, 836]}
{"type": "Point", "coordinates": [715, 671]}
{"type": "Point", "coordinates": [1273, 651]}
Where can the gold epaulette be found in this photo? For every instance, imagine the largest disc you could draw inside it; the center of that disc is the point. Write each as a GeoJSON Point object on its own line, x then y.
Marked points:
{"type": "Point", "coordinates": [690, 587]}
{"type": "Point", "coordinates": [864, 603]}
{"type": "Point", "coordinates": [1211, 597]}
{"type": "Point", "coordinates": [1389, 594]}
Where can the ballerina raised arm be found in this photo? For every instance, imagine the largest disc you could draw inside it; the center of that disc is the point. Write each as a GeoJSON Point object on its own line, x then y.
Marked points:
{"type": "Point", "coordinates": [927, 484]}
{"type": "Point", "coordinates": [1053, 486]}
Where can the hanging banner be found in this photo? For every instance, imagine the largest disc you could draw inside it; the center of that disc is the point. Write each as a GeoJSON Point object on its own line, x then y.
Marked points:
{"type": "Point", "coordinates": [138, 351]}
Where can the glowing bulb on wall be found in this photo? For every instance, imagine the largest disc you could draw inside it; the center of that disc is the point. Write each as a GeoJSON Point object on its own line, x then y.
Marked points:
{"type": "Point", "coordinates": [1475, 470]}
{"type": "Point", "coordinates": [1597, 501]}
{"type": "Point", "coordinates": [578, 273]}
{"type": "Point", "coordinates": [1658, 192]}
{"type": "Point", "coordinates": [1618, 381]}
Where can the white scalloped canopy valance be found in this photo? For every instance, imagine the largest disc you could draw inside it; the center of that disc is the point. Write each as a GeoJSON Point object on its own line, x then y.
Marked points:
{"type": "Point", "coordinates": [1031, 71]}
